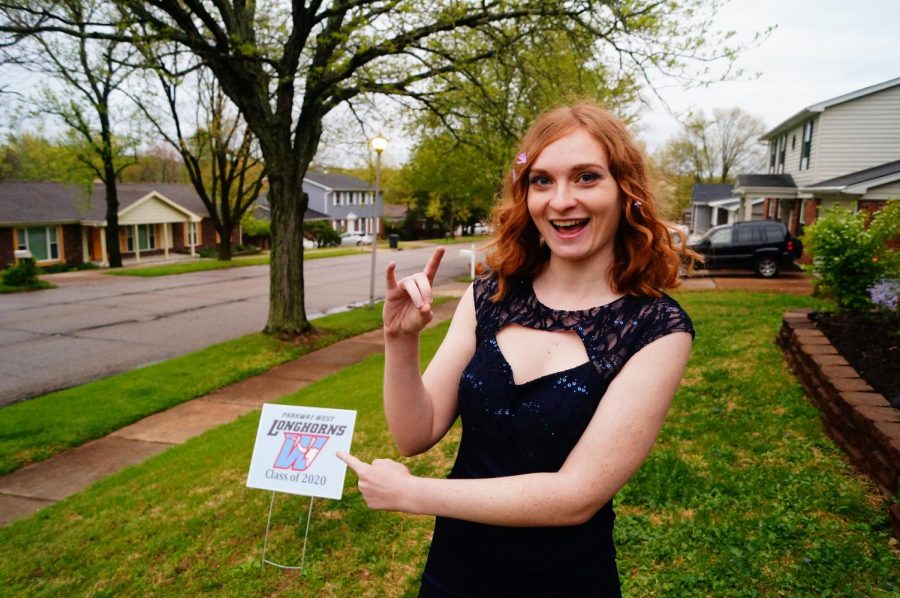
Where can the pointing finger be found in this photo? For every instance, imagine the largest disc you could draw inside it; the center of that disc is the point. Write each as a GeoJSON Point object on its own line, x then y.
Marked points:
{"type": "Point", "coordinates": [431, 267]}
{"type": "Point", "coordinates": [391, 275]}
{"type": "Point", "coordinates": [352, 462]}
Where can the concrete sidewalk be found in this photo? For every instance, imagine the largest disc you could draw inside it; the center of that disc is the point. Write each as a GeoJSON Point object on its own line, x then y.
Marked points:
{"type": "Point", "coordinates": [35, 486]}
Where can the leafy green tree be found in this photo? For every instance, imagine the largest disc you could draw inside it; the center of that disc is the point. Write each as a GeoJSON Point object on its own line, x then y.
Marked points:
{"type": "Point", "coordinates": [32, 157]}
{"type": "Point", "coordinates": [470, 131]}
{"type": "Point", "coordinates": [287, 66]}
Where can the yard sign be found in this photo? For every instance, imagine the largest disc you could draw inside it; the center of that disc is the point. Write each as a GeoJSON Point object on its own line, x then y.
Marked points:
{"type": "Point", "coordinates": [295, 450]}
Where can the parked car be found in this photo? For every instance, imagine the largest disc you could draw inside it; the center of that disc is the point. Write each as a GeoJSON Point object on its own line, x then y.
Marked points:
{"type": "Point", "coordinates": [678, 233]}
{"type": "Point", "coordinates": [763, 246]}
{"type": "Point", "coordinates": [480, 229]}
{"type": "Point", "coordinates": [351, 238]}
{"type": "Point", "coordinates": [309, 243]}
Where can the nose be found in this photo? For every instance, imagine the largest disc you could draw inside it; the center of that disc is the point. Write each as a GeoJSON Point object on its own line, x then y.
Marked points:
{"type": "Point", "coordinates": [563, 198]}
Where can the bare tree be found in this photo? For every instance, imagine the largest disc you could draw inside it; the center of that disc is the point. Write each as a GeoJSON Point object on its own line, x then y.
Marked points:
{"type": "Point", "coordinates": [88, 73]}
{"type": "Point", "coordinates": [714, 149]}
{"type": "Point", "coordinates": [220, 152]}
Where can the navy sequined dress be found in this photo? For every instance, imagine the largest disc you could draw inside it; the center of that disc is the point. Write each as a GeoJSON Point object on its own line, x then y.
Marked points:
{"type": "Point", "coordinates": [510, 429]}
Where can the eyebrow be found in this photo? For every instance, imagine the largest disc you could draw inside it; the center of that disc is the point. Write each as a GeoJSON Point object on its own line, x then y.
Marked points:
{"type": "Point", "coordinates": [575, 167]}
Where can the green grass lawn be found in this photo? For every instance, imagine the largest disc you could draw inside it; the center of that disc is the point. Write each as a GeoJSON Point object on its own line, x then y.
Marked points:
{"type": "Point", "coordinates": [39, 428]}
{"type": "Point", "coordinates": [743, 496]}
{"type": "Point", "coordinates": [41, 284]}
{"type": "Point", "coordinates": [203, 264]}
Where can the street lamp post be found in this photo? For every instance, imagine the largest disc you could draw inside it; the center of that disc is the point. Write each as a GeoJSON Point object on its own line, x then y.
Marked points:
{"type": "Point", "coordinates": [379, 144]}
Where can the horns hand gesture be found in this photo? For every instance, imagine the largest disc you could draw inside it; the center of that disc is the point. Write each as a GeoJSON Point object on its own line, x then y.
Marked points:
{"type": "Point", "coordinates": [407, 304]}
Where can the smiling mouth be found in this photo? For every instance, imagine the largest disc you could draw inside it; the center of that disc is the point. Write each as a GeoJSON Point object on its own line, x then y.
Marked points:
{"type": "Point", "coordinates": [570, 225]}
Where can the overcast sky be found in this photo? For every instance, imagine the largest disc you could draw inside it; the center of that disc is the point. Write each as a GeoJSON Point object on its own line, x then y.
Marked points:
{"type": "Point", "coordinates": [820, 49]}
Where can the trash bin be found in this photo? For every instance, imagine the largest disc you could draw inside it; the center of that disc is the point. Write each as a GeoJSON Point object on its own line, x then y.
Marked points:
{"type": "Point", "coordinates": [393, 240]}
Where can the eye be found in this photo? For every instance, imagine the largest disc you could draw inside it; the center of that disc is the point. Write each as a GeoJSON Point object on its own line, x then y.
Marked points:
{"type": "Point", "coordinates": [539, 180]}
{"type": "Point", "coordinates": [588, 177]}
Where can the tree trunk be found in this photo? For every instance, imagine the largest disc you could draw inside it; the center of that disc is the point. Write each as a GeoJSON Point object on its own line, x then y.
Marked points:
{"type": "Point", "coordinates": [112, 218]}
{"type": "Point", "coordinates": [287, 310]}
{"type": "Point", "coordinates": [225, 245]}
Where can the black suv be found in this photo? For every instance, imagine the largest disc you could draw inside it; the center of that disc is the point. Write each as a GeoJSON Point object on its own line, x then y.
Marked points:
{"type": "Point", "coordinates": [763, 246]}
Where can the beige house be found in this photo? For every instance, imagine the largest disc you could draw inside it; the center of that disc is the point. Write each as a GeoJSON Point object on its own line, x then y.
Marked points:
{"type": "Point", "coordinates": [845, 151]}
{"type": "Point", "coordinates": [62, 223]}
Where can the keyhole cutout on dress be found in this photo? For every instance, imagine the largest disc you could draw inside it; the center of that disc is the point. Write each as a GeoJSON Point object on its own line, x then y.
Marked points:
{"type": "Point", "coordinates": [533, 353]}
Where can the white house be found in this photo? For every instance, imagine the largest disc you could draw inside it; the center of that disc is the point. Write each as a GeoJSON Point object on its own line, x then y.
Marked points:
{"type": "Point", "coordinates": [714, 204]}
{"type": "Point", "coordinates": [845, 150]}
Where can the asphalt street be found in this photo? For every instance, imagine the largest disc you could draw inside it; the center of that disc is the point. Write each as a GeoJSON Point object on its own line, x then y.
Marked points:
{"type": "Point", "coordinates": [94, 325]}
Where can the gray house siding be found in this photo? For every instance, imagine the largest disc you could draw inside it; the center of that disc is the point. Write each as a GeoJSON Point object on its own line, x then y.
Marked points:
{"type": "Point", "coordinates": [348, 201]}
{"type": "Point", "coordinates": [859, 134]}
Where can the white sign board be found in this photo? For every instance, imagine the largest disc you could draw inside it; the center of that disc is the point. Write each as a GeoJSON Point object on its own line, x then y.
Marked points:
{"type": "Point", "coordinates": [295, 450]}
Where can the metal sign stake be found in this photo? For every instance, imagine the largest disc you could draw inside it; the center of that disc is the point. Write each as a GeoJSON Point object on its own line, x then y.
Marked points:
{"type": "Point", "coordinates": [265, 561]}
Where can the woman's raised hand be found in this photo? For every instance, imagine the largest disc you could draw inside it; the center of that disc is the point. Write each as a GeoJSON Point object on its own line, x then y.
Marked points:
{"type": "Point", "coordinates": [407, 304]}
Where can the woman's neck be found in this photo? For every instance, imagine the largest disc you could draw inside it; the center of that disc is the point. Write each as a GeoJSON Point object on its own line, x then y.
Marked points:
{"type": "Point", "coordinates": [565, 284]}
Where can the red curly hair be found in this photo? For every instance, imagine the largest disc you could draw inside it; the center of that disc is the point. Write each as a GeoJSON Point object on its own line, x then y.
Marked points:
{"type": "Point", "coordinates": [645, 261]}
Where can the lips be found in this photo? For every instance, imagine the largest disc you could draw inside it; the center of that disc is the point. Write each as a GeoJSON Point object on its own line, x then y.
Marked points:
{"type": "Point", "coordinates": [569, 225]}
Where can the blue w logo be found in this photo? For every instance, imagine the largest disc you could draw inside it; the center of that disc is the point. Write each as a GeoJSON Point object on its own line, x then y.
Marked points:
{"type": "Point", "coordinates": [299, 450]}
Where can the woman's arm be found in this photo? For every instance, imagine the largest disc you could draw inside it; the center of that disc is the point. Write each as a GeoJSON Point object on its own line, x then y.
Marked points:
{"type": "Point", "coordinates": [421, 408]}
{"type": "Point", "coordinates": [614, 445]}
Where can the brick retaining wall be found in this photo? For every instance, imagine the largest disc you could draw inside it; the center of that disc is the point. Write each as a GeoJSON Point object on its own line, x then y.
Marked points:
{"type": "Point", "coordinates": [860, 420]}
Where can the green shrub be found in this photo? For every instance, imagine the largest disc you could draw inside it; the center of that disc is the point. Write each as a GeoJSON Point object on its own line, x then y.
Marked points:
{"type": "Point", "coordinates": [254, 227]}
{"type": "Point", "coordinates": [849, 256]}
{"type": "Point", "coordinates": [322, 232]}
{"type": "Point", "coordinates": [24, 274]}
{"type": "Point", "coordinates": [54, 268]}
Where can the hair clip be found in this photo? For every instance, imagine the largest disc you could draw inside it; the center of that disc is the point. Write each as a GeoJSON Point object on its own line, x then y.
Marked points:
{"type": "Point", "coordinates": [521, 158]}
{"type": "Point", "coordinates": [512, 173]}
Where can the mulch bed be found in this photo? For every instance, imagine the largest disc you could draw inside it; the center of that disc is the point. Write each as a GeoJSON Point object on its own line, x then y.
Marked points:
{"type": "Point", "coordinates": [870, 343]}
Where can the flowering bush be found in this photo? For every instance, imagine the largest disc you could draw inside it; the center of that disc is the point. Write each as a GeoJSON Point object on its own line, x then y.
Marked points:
{"type": "Point", "coordinates": [884, 294]}
{"type": "Point", "coordinates": [850, 257]}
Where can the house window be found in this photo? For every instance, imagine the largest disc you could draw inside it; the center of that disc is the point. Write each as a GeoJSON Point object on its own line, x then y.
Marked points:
{"type": "Point", "coordinates": [782, 150]}
{"type": "Point", "coordinates": [146, 237]}
{"type": "Point", "coordinates": [773, 151]}
{"type": "Point", "coordinates": [806, 148]}
{"type": "Point", "coordinates": [41, 241]}
{"type": "Point", "coordinates": [192, 233]}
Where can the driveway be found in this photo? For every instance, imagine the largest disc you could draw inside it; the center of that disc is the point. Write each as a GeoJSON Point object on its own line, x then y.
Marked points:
{"type": "Point", "coordinates": [788, 281]}
{"type": "Point", "coordinates": [95, 325]}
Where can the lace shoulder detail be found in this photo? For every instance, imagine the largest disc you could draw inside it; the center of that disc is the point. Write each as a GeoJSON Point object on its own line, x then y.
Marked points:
{"type": "Point", "coordinates": [612, 333]}
{"type": "Point", "coordinates": [662, 317]}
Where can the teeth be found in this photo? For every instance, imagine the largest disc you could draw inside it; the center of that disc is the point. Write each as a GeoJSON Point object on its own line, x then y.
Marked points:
{"type": "Point", "coordinates": [568, 223]}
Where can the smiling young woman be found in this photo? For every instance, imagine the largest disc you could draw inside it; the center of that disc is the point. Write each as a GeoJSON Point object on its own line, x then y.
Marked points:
{"type": "Point", "coordinates": [561, 366]}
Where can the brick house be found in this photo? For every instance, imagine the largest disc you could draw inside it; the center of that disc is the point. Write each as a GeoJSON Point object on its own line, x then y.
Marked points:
{"type": "Point", "coordinates": [64, 223]}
